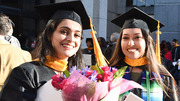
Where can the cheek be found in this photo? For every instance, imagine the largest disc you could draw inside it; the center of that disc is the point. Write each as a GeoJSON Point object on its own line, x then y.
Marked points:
{"type": "Point", "coordinates": [78, 43]}
{"type": "Point", "coordinates": [143, 46]}
{"type": "Point", "coordinates": [123, 44]}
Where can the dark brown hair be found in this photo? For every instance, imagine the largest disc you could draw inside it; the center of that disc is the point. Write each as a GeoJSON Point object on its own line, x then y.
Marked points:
{"type": "Point", "coordinates": [44, 47]}
{"type": "Point", "coordinates": [153, 65]}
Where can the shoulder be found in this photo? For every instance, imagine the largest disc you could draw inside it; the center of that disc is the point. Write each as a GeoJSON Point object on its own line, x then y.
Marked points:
{"type": "Point", "coordinates": [33, 70]}
{"type": "Point", "coordinates": [32, 67]}
{"type": "Point", "coordinates": [25, 53]}
{"type": "Point", "coordinates": [9, 47]}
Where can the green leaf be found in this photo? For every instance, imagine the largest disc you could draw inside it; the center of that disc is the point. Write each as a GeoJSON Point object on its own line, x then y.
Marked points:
{"type": "Point", "coordinates": [96, 67]}
{"type": "Point", "coordinates": [66, 73]}
{"type": "Point", "coordinates": [120, 72]}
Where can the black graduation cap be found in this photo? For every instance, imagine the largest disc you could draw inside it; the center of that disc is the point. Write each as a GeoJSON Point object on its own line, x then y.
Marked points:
{"type": "Point", "coordinates": [73, 10]}
{"type": "Point", "coordinates": [135, 18]}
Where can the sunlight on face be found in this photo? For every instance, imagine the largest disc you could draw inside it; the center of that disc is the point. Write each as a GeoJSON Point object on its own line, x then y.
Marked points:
{"type": "Point", "coordinates": [66, 39]}
{"type": "Point", "coordinates": [133, 43]}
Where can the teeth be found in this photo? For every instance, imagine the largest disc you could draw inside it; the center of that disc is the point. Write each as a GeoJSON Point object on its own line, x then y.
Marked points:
{"type": "Point", "coordinates": [132, 50]}
{"type": "Point", "coordinates": [68, 46]}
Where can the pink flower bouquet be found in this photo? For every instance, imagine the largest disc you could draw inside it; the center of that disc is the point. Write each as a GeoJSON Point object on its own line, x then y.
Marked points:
{"type": "Point", "coordinates": [102, 84]}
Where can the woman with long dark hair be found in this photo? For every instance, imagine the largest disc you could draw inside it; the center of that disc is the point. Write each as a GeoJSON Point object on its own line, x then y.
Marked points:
{"type": "Point", "coordinates": [135, 49]}
{"type": "Point", "coordinates": [58, 49]}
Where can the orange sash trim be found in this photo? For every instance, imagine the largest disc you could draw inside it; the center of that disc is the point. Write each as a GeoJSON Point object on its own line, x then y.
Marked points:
{"type": "Point", "coordinates": [56, 64]}
{"type": "Point", "coordinates": [176, 45]}
{"type": "Point", "coordinates": [90, 48]}
{"type": "Point", "coordinates": [136, 62]}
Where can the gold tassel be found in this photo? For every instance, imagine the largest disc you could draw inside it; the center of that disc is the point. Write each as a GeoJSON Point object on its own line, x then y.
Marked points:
{"type": "Point", "coordinates": [100, 59]}
{"type": "Point", "coordinates": [157, 44]}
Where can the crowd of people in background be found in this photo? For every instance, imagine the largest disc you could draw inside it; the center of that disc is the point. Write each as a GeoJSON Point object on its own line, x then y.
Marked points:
{"type": "Point", "coordinates": [170, 53]}
{"type": "Point", "coordinates": [107, 48]}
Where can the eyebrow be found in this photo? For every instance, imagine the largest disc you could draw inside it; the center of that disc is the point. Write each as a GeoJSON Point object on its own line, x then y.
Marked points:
{"type": "Point", "coordinates": [134, 34]}
{"type": "Point", "coordinates": [69, 28]}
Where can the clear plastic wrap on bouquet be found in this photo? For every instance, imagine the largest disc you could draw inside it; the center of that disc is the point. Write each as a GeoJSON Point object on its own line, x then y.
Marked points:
{"type": "Point", "coordinates": [80, 88]}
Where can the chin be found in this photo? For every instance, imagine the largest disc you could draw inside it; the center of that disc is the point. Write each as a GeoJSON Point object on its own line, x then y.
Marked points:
{"type": "Point", "coordinates": [69, 55]}
{"type": "Point", "coordinates": [133, 57]}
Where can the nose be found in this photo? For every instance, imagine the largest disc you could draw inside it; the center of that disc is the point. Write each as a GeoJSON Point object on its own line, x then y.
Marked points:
{"type": "Point", "coordinates": [131, 42]}
{"type": "Point", "coordinates": [70, 37]}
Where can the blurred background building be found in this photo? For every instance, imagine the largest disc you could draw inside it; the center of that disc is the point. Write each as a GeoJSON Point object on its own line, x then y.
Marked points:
{"type": "Point", "coordinates": [29, 24]}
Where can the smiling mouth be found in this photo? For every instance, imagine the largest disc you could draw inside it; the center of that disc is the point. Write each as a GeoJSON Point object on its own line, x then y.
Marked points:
{"type": "Point", "coordinates": [68, 46]}
{"type": "Point", "coordinates": [132, 50]}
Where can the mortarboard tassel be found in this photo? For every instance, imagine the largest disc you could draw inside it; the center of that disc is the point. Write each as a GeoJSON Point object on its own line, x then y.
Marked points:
{"type": "Point", "coordinates": [157, 44]}
{"type": "Point", "coordinates": [101, 60]}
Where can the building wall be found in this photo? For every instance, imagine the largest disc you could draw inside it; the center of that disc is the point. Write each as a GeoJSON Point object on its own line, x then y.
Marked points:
{"type": "Point", "coordinates": [101, 13]}
{"type": "Point", "coordinates": [115, 8]}
{"type": "Point", "coordinates": [168, 12]}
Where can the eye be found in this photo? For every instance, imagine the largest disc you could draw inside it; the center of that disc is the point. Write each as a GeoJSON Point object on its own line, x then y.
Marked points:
{"type": "Point", "coordinates": [65, 32]}
{"type": "Point", "coordinates": [137, 37]}
{"type": "Point", "coordinates": [77, 35]}
{"type": "Point", "coordinates": [125, 38]}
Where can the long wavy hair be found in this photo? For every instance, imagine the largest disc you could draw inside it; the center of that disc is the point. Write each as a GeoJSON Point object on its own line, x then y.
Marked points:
{"type": "Point", "coordinates": [153, 65]}
{"type": "Point", "coordinates": [44, 47]}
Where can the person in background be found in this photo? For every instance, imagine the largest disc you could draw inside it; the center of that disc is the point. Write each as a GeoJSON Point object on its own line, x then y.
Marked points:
{"type": "Point", "coordinates": [9, 35]}
{"type": "Point", "coordinates": [110, 49]}
{"type": "Point", "coordinates": [89, 44]}
{"type": "Point", "coordinates": [175, 51]}
{"type": "Point", "coordinates": [167, 51]}
{"type": "Point", "coordinates": [135, 49]}
{"type": "Point", "coordinates": [10, 56]}
{"type": "Point", "coordinates": [102, 44]}
{"type": "Point", "coordinates": [175, 43]}
{"type": "Point", "coordinates": [58, 49]}
{"type": "Point", "coordinates": [13, 41]}
{"type": "Point", "coordinates": [162, 46]}
{"type": "Point", "coordinates": [90, 50]}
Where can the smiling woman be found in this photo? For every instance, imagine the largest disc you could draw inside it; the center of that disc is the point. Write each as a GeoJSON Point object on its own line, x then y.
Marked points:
{"type": "Point", "coordinates": [135, 49]}
{"type": "Point", "coordinates": [58, 49]}
{"type": "Point", "coordinates": [66, 39]}
{"type": "Point", "coordinates": [133, 44]}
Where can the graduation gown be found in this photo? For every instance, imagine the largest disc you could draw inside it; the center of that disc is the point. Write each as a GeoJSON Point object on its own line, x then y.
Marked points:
{"type": "Point", "coordinates": [166, 79]}
{"type": "Point", "coordinates": [24, 82]}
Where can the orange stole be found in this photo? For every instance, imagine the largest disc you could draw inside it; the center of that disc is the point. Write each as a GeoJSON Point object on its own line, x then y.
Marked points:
{"type": "Point", "coordinates": [136, 62]}
{"type": "Point", "coordinates": [56, 64]}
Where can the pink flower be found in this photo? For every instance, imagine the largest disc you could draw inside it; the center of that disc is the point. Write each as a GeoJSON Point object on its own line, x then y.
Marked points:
{"type": "Point", "coordinates": [114, 70]}
{"type": "Point", "coordinates": [108, 76]}
{"type": "Point", "coordinates": [88, 73]}
{"type": "Point", "coordinates": [61, 85]}
{"type": "Point", "coordinates": [99, 77]}
{"type": "Point", "coordinates": [58, 82]}
{"type": "Point", "coordinates": [105, 68]}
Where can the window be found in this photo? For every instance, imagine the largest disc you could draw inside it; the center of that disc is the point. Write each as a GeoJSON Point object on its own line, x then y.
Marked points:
{"type": "Point", "coordinates": [140, 2]}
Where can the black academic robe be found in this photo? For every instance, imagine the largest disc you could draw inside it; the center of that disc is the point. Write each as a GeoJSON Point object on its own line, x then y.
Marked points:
{"type": "Point", "coordinates": [24, 81]}
{"type": "Point", "coordinates": [168, 81]}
